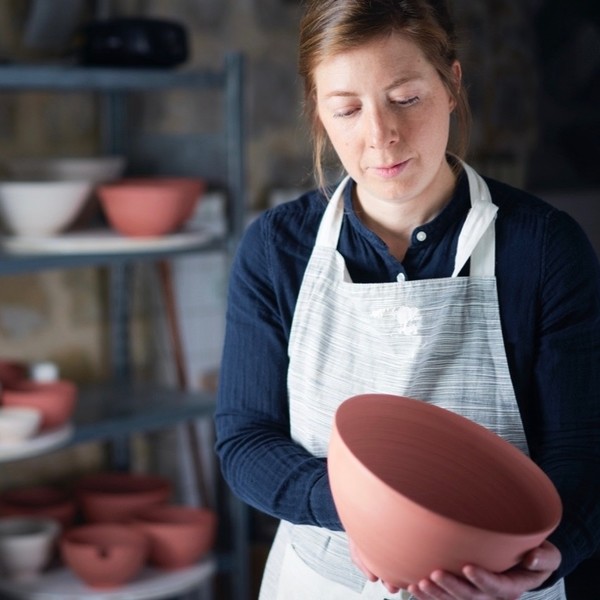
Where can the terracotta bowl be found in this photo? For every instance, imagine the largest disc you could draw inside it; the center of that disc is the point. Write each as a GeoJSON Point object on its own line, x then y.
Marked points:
{"type": "Point", "coordinates": [178, 535]}
{"type": "Point", "coordinates": [26, 546]}
{"type": "Point", "coordinates": [39, 501]}
{"type": "Point", "coordinates": [112, 497]}
{"type": "Point", "coordinates": [103, 555]}
{"type": "Point", "coordinates": [12, 371]}
{"type": "Point", "coordinates": [148, 207]}
{"type": "Point", "coordinates": [420, 488]}
{"type": "Point", "coordinates": [55, 399]}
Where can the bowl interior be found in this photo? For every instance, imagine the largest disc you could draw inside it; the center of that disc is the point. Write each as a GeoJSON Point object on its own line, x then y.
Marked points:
{"type": "Point", "coordinates": [447, 464]}
{"type": "Point", "coordinates": [27, 527]}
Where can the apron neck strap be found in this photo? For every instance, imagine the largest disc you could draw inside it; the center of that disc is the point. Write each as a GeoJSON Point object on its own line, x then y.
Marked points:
{"type": "Point", "coordinates": [331, 223]}
{"type": "Point", "coordinates": [477, 239]}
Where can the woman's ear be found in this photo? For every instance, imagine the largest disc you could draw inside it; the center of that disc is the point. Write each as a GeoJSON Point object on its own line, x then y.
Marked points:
{"type": "Point", "coordinates": [457, 73]}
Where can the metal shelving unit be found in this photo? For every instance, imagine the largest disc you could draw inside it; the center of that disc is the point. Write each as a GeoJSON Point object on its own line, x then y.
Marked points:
{"type": "Point", "coordinates": [121, 408]}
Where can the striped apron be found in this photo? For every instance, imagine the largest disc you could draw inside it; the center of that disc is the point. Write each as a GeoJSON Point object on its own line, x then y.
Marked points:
{"type": "Point", "coordinates": [438, 340]}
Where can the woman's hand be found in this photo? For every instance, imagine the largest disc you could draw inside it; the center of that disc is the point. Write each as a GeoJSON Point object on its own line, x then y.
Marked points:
{"type": "Point", "coordinates": [479, 584]}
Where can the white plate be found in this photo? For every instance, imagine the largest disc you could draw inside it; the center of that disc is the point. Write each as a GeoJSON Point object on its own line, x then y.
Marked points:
{"type": "Point", "coordinates": [38, 444]}
{"type": "Point", "coordinates": [98, 241]}
{"type": "Point", "coordinates": [150, 584]}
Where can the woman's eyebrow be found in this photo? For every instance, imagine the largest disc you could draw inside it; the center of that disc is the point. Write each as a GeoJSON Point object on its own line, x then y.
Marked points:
{"type": "Point", "coordinates": [406, 78]}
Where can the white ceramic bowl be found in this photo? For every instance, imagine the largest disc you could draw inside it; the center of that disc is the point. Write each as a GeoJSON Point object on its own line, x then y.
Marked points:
{"type": "Point", "coordinates": [18, 424]}
{"type": "Point", "coordinates": [26, 546]}
{"type": "Point", "coordinates": [97, 169]}
{"type": "Point", "coordinates": [41, 208]}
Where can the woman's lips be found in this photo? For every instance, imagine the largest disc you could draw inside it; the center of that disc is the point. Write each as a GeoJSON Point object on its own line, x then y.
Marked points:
{"type": "Point", "coordinates": [391, 171]}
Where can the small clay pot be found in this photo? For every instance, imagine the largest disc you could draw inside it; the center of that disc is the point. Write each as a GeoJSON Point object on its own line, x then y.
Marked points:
{"type": "Point", "coordinates": [420, 488]}
{"type": "Point", "coordinates": [55, 399]}
{"type": "Point", "coordinates": [39, 501]}
{"type": "Point", "coordinates": [178, 536]}
{"type": "Point", "coordinates": [104, 556]}
{"type": "Point", "coordinates": [113, 497]}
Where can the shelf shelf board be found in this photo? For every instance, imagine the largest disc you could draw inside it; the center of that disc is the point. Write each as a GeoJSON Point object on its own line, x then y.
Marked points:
{"type": "Point", "coordinates": [61, 78]}
{"type": "Point", "coordinates": [108, 412]}
{"type": "Point", "coordinates": [97, 248]}
{"type": "Point", "coordinates": [151, 584]}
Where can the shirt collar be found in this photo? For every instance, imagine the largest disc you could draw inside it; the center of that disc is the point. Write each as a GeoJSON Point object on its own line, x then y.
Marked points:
{"type": "Point", "coordinates": [455, 210]}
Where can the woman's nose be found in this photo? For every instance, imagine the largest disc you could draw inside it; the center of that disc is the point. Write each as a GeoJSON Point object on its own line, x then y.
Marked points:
{"type": "Point", "coordinates": [382, 129]}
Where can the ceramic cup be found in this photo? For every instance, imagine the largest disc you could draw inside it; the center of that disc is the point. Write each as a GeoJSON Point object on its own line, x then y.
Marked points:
{"type": "Point", "coordinates": [26, 546]}
{"type": "Point", "coordinates": [420, 488]}
{"type": "Point", "coordinates": [18, 424]}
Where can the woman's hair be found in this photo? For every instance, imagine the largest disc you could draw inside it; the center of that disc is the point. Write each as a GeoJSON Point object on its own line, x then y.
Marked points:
{"type": "Point", "coordinates": [330, 27]}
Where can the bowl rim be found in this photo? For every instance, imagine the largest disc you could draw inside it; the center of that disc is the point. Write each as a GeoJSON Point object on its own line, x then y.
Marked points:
{"type": "Point", "coordinates": [551, 496]}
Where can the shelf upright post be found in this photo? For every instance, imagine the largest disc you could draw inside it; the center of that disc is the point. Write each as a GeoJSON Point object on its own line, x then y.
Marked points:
{"type": "Point", "coordinates": [113, 125]}
{"type": "Point", "coordinates": [234, 123]}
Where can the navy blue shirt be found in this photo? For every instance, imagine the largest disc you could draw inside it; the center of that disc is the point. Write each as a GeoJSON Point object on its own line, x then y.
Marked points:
{"type": "Point", "coordinates": [548, 281]}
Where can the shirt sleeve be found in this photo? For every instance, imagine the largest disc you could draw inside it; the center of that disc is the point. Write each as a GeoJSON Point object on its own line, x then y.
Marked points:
{"type": "Point", "coordinates": [259, 460]}
{"type": "Point", "coordinates": [566, 442]}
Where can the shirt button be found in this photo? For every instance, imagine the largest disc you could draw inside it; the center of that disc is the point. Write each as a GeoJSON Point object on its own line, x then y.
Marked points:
{"type": "Point", "coordinates": [421, 236]}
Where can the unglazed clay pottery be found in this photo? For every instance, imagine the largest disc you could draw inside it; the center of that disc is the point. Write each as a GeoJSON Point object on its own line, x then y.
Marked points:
{"type": "Point", "coordinates": [113, 497]}
{"type": "Point", "coordinates": [178, 535]}
{"type": "Point", "coordinates": [54, 399]}
{"type": "Point", "coordinates": [41, 208]}
{"type": "Point", "coordinates": [420, 488]}
{"type": "Point", "coordinates": [39, 501]}
{"type": "Point", "coordinates": [26, 546]}
{"type": "Point", "coordinates": [147, 207]}
{"type": "Point", "coordinates": [18, 424]}
{"type": "Point", "coordinates": [12, 371]}
{"type": "Point", "coordinates": [104, 555]}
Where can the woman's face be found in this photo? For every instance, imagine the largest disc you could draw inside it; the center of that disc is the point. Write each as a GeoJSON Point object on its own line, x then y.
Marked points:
{"type": "Point", "coordinates": [387, 115]}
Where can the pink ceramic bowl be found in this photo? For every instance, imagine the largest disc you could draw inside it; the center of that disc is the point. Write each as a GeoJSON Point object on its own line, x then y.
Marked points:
{"type": "Point", "coordinates": [55, 399]}
{"type": "Point", "coordinates": [178, 535]}
{"type": "Point", "coordinates": [112, 497]}
{"type": "Point", "coordinates": [148, 207]}
{"type": "Point", "coordinates": [39, 501]}
{"type": "Point", "coordinates": [104, 556]}
{"type": "Point", "coordinates": [420, 488]}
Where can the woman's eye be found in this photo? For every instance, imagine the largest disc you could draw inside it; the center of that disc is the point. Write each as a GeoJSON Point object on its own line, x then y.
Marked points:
{"type": "Point", "coordinates": [407, 102]}
{"type": "Point", "coordinates": [345, 112]}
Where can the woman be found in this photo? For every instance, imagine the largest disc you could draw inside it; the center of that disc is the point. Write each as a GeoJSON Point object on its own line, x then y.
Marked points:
{"type": "Point", "coordinates": [316, 288]}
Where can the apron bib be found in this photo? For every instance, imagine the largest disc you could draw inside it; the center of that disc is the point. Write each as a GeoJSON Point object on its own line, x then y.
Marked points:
{"type": "Point", "coordinates": [437, 340]}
